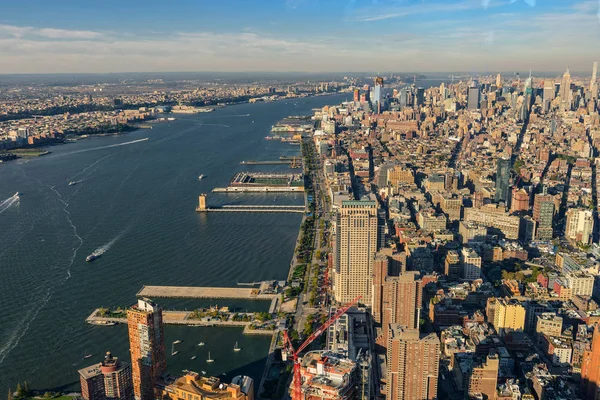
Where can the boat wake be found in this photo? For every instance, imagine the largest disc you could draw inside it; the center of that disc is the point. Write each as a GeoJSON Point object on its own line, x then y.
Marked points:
{"type": "Point", "coordinates": [221, 125]}
{"type": "Point", "coordinates": [22, 327]}
{"type": "Point", "coordinates": [102, 147]}
{"type": "Point", "coordinates": [8, 203]}
{"type": "Point", "coordinates": [104, 248]}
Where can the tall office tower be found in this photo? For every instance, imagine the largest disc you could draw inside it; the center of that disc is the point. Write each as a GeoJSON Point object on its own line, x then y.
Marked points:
{"type": "Point", "coordinates": [147, 346]}
{"type": "Point", "coordinates": [474, 96]}
{"type": "Point", "coordinates": [549, 90]}
{"type": "Point", "coordinates": [502, 178]}
{"type": "Point", "coordinates": [403, 97]}
{"type": "Point", "coordinates": [594, 82]}
{"type": "Point", "coordinates": [498, 81]}
{"type": "Point", "coordinates": [484, 378]}
{"type": "Point", "coordinates": [543, 213]}
{"type": "Point", "coordinates": [420, 96]}
{"type": "Point", "coordinates": [356, 95]}
{"type": "Point", "coordinates": [580, 225]}
{"type": "Point", "coordinates": [355, 246]}
{"type": "Point", "coordinates": [110, 379]}
{"type": "Point", "coordinates": [378, 95]}
{"type": "Point", "coordinates": [402, 300]}
{"type": "Point", "coordinates": [412, 364]}
{"type": "Point", "coordinates": [590, 369]}
{"type": "Point", "coordinates": [566, 96]}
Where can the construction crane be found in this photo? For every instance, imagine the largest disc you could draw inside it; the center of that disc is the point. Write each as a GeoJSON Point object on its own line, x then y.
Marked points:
{"type": "Point", "coordinates": [297, 391]}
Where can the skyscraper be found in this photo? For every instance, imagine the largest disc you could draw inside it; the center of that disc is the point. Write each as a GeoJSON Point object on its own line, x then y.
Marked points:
{"type": "Point", "coordinates": [590, 368]}
{"type": "Point", "coordinates": [498, 81]}
{"type": "Point", "coordinates": [355, 246]}
{"type": "Point", "coordinates": [356, 95]}
{"type": "Point", "coordinates": [593, 81]}
{"type": "Point", "coordinates": [109, 379]}
{"type": "Point", "coordinates": [502, 179]}
{"type": "Point", "coordinates": [566, 96]}
{"type": "Point", "coordinates": [412, 364]}
{"type": "Point", "coordinates": [378, 95]}
{"type": "Point", "coordinates": [474, 96]}
{"type": "Point", "coordinates": [543, 213]}
{"type": "Point", "coordinates": [147, 346]}
{"type": "Point", "coordinates": [420, 96]}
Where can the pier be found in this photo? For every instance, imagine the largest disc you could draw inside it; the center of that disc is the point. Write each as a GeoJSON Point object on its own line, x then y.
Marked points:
{"type": "Point", "coordinates": [198, 292]}
{"type": "Point", "coordinates": [202, 207]}
{"type": "Point", "coordinates": [256, 189]}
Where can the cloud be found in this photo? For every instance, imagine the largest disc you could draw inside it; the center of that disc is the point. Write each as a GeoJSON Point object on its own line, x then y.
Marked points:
{"type": "Point", "coordinates": [48, 33]}
{"type": "Point", "coordinates": [381, 13]}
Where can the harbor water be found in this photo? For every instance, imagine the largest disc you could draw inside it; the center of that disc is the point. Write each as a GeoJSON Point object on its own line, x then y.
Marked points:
{"type": "Point", "coordinates": [134, 202]}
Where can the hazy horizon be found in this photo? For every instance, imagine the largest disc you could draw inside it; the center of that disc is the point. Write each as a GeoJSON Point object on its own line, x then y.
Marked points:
{"type": "Point", "coordinates": [69, 36]}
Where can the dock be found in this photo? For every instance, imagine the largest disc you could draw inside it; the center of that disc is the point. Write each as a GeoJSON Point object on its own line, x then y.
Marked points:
{"type": "Point", "coordinates": [196, 292]}
{"type": "Point", "coordinates": [203, 207]}
{"type": "Point", "coordinates": [255, 189]}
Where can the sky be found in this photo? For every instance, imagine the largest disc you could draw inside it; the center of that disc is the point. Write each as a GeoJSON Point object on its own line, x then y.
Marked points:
{"type": "Point", "coordinates": [93, 36]}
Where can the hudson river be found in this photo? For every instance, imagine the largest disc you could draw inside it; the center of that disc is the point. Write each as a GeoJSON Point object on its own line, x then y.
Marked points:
{"type": "Point", "coordinates": [135, 200]}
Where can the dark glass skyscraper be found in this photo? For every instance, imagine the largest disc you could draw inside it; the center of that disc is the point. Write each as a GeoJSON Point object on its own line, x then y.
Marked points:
{"type": "Point", "coordinates": [502, 179]}
{"type": "Point", "coordinates": [474, 96]}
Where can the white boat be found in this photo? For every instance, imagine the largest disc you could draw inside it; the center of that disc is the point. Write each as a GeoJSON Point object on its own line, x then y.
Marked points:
{"type": "Point", "coordinates": [201, 344]}
{"type": "Point", "coordinates": [193, 358]}
{"type": "Point", "coordinates": [86, 355]}
{"type": "Point", "coordinates": [177, 341]}
{"type": "Point", "coordinates": [201, 177]}
{"type": "Point", "coordinates": [173, 351]}
{"type": "Point", "coordinates": [209, 360]}
{"type": "Point", "coordinates": [236, 347]}
{"type": "Point", "coordinates": [203, 372]}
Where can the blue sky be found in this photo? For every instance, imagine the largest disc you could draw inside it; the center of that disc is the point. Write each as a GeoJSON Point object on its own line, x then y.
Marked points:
{"type": "Point", "coordinates": [38, 36]}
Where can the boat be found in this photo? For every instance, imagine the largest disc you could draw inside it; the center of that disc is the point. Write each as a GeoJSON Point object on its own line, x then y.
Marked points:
{"type": "Point", "coordinates": [201, 177]}
{"type": "Point", "coordinates": [86, 355]}
{"type": "Point", "coordinates": [203, 372]}
{"type": "Point", "coordinates": [236, 347]}
{"type": "Point", "coordinates": [91, 257]}
{"type": "Point", "coordinates": [209, 360]}
{"type": "Point", "coordinates": [193, 358]}
{"type": "Point", "coordinates": [177, 341]}
{"type": "Point", "coordinates": [201, 344]}
{"type": "Point", "coordinates": [173, 351]}
{"type": "Point", "coordinates": [73, 183]}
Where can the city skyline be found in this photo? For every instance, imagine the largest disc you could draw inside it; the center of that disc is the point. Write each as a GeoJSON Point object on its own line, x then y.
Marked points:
{"type": "Point", "coordinates": [299, 35]}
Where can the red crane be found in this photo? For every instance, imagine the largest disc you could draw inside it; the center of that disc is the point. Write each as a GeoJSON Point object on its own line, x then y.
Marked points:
{"type": "Point", "coordinates": [297, 391]}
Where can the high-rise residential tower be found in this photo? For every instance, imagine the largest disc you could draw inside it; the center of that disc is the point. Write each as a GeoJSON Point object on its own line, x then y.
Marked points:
{"type": "Point", "coordinates": [402, 298]}
{"type": "Point", "coordinates": [109, 379]}
{"type": "Point", "coordinates": [355, 247]}
{"type": "Point", "coordinates": [502, 179]}
{"type": "Point", "coordinates": [543, 213]}
{"type": "Point", "coordinates": [147, 346]}
{"type": "Point", "coordinates": [590, 369]}
{"type": "Point", "coordinates": [579, 225]}
{"type": "Point", "coordinates": [412, 364]}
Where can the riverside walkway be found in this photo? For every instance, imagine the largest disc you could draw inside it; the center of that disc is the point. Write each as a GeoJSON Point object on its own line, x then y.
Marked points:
{"type": "Point", "coordinates": [199, 292]}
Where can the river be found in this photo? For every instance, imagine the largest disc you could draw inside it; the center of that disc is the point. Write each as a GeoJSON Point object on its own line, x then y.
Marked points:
{"type": "Point", "coordinates": [135, 200]}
